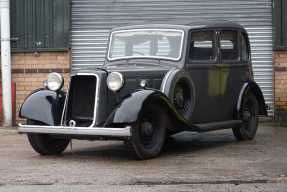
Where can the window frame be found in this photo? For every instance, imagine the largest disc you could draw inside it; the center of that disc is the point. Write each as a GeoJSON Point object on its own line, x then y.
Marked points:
{"type": "Point", "coordinates": [245, 37]}
{"type": "Point", "coordinates": [220, 32]}
{"type": "Point", "coordinates": [215, 47]}
{"type": "Point", "coordinates": [146, 57]}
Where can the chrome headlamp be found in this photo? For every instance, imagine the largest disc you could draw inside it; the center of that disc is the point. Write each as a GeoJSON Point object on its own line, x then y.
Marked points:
{"type": "Point", "coordinates": [54, 82]}
{"type": "Point", "coordinates": [115, 81]}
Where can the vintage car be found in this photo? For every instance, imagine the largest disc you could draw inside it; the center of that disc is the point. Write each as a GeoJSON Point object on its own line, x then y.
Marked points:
{"type": "Point", "coordinates": [158, 80]}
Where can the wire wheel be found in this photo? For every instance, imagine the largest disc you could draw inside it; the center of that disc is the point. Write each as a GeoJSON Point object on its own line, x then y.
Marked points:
{"type": "Point", "coordinates": [183, 99]}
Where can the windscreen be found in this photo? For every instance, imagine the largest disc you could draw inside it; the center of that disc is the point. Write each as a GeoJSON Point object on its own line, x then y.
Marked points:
{"type": "Point", "coordinates": [146, 43]}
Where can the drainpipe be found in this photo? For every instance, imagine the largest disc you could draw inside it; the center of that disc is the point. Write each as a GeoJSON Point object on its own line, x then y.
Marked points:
{"type": "Point", "coordinates": [6, 62]}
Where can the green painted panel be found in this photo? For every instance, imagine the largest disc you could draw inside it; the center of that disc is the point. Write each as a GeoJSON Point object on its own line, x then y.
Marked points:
{"type": "Point", "coordinates": [284, 23]}
{"type": "Point", "coordinates": [277, 23]}
{"type": "Point", "coordinates": [280, 24]}
{"type": "Point", "coordinates": [40, 25]}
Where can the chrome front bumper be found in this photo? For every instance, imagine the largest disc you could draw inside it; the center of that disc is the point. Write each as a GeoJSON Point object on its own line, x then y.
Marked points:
{"type": "Point", "coordinates": [90, 131]}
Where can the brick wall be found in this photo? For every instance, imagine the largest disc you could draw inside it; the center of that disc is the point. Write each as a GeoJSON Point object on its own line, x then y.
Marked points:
{"type": "Point", "coordinates": [280, 77]}
{"type": "Point", "coordinates": [29, 70]}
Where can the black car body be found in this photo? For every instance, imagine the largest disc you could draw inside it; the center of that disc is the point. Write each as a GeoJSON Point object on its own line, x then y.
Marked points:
{"type": "Point", "coordinates": [158, 80]}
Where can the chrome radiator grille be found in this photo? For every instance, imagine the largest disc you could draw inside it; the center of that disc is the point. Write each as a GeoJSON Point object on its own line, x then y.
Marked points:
{"type": "Point", "coordinates": [80, 104]}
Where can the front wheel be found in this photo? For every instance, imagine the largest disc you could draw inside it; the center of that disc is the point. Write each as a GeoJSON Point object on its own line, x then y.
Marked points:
{"type": "Point", "coordinates": [148, 133]}
{"type": "Point", "coordinates": [46, 144]}
{"type": "Point", "coordinates": [249, 116]}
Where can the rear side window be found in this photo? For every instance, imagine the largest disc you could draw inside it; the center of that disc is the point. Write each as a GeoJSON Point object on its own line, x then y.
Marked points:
{"type": "Point", "coordinates": [229, 46]}
{"type": "Point", "coordinates": [202, 46]}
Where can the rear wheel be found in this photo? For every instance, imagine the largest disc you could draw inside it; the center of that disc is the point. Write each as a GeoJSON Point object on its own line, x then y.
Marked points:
{"type": "Point", "coordinates": [249, 116]}
{"type": "Point", "coordinates": [148, 133]}
{"type": "Point", "coordinates": [46, 144]}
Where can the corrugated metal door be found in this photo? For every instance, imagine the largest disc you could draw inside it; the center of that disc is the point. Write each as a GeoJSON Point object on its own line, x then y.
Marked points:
{"type": "Point", "coordinates": [93, 19]}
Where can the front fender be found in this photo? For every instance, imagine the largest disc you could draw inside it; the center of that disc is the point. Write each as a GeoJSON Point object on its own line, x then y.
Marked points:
{"type": "Point", "coordinates": [128, 111]}
{"type": "Point", "coordinates": [44, 106]}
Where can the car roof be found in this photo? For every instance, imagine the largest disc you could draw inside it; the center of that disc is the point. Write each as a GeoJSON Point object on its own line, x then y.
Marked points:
{"type": "Point", "coordinates": [185, 25]}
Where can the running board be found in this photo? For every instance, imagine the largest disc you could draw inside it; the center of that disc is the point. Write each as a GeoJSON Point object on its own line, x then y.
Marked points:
{"type": "Point", "coordinates": [205, 127]}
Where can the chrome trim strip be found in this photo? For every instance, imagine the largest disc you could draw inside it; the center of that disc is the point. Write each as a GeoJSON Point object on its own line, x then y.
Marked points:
{"type": "Point", "coordinates": [165, 79]}
{"type": "Point", "coordinates": [96, 131]}
{"type": "Point", "coordinates": [96, 97]}
{"type": "Point", "coordinates": [238, 106]}
{"type": "Point", "coordinates": [156, 57]}
{"type": "Point", "coordinates": [64, 108]}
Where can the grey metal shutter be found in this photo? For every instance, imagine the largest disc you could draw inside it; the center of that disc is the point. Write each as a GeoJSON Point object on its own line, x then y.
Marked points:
{"type": "Point", "coordinates": [93, 19]}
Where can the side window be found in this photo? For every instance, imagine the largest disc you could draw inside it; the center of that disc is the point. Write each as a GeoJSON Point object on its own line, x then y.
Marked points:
{"type": "Point", "coordinates": [229, 46]}
{"type": "Point", "coordinates": [244, 48]}
{"type": "Point", "coordinates": [202, 46]}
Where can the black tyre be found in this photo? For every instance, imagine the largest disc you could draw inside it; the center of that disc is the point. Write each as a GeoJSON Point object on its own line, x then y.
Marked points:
{"type": "Point", "coordinates": [249, 116]}
{"type": "Point", "coordinates": [148, 133]}
{"type": "Point", "coordinates": [46, 144]}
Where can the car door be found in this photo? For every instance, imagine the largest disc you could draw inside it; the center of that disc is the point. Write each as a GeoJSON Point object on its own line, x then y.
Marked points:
{"type": "Point", "coordinates": [202, 65]}
{"type": "Point", "coordinates": [232, 70]}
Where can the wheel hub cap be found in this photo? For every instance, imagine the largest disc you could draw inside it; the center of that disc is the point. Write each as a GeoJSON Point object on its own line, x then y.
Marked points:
{"type": "Point", "coordinates": [179, 100]}
{"type": "Point", "coordinates": [246, 116]}
{"type": "Point", "coordinates": [147, 128]}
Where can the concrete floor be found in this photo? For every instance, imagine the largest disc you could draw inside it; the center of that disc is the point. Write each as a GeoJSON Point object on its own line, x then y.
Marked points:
{"type": "Point", "coordinates": [190, 162]}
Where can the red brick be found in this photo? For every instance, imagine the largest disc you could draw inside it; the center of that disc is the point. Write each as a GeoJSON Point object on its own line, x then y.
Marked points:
{"type": "Point", "coordinates": [280, 79]}
{"type": "Point", "coordinates": [26, 83]}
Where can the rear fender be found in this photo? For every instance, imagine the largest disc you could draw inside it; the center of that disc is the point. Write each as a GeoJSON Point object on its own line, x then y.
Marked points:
{"type": "Point", "coordinates": [44, 106]}
{"type": "Point", "coordinates": [255, 89]}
